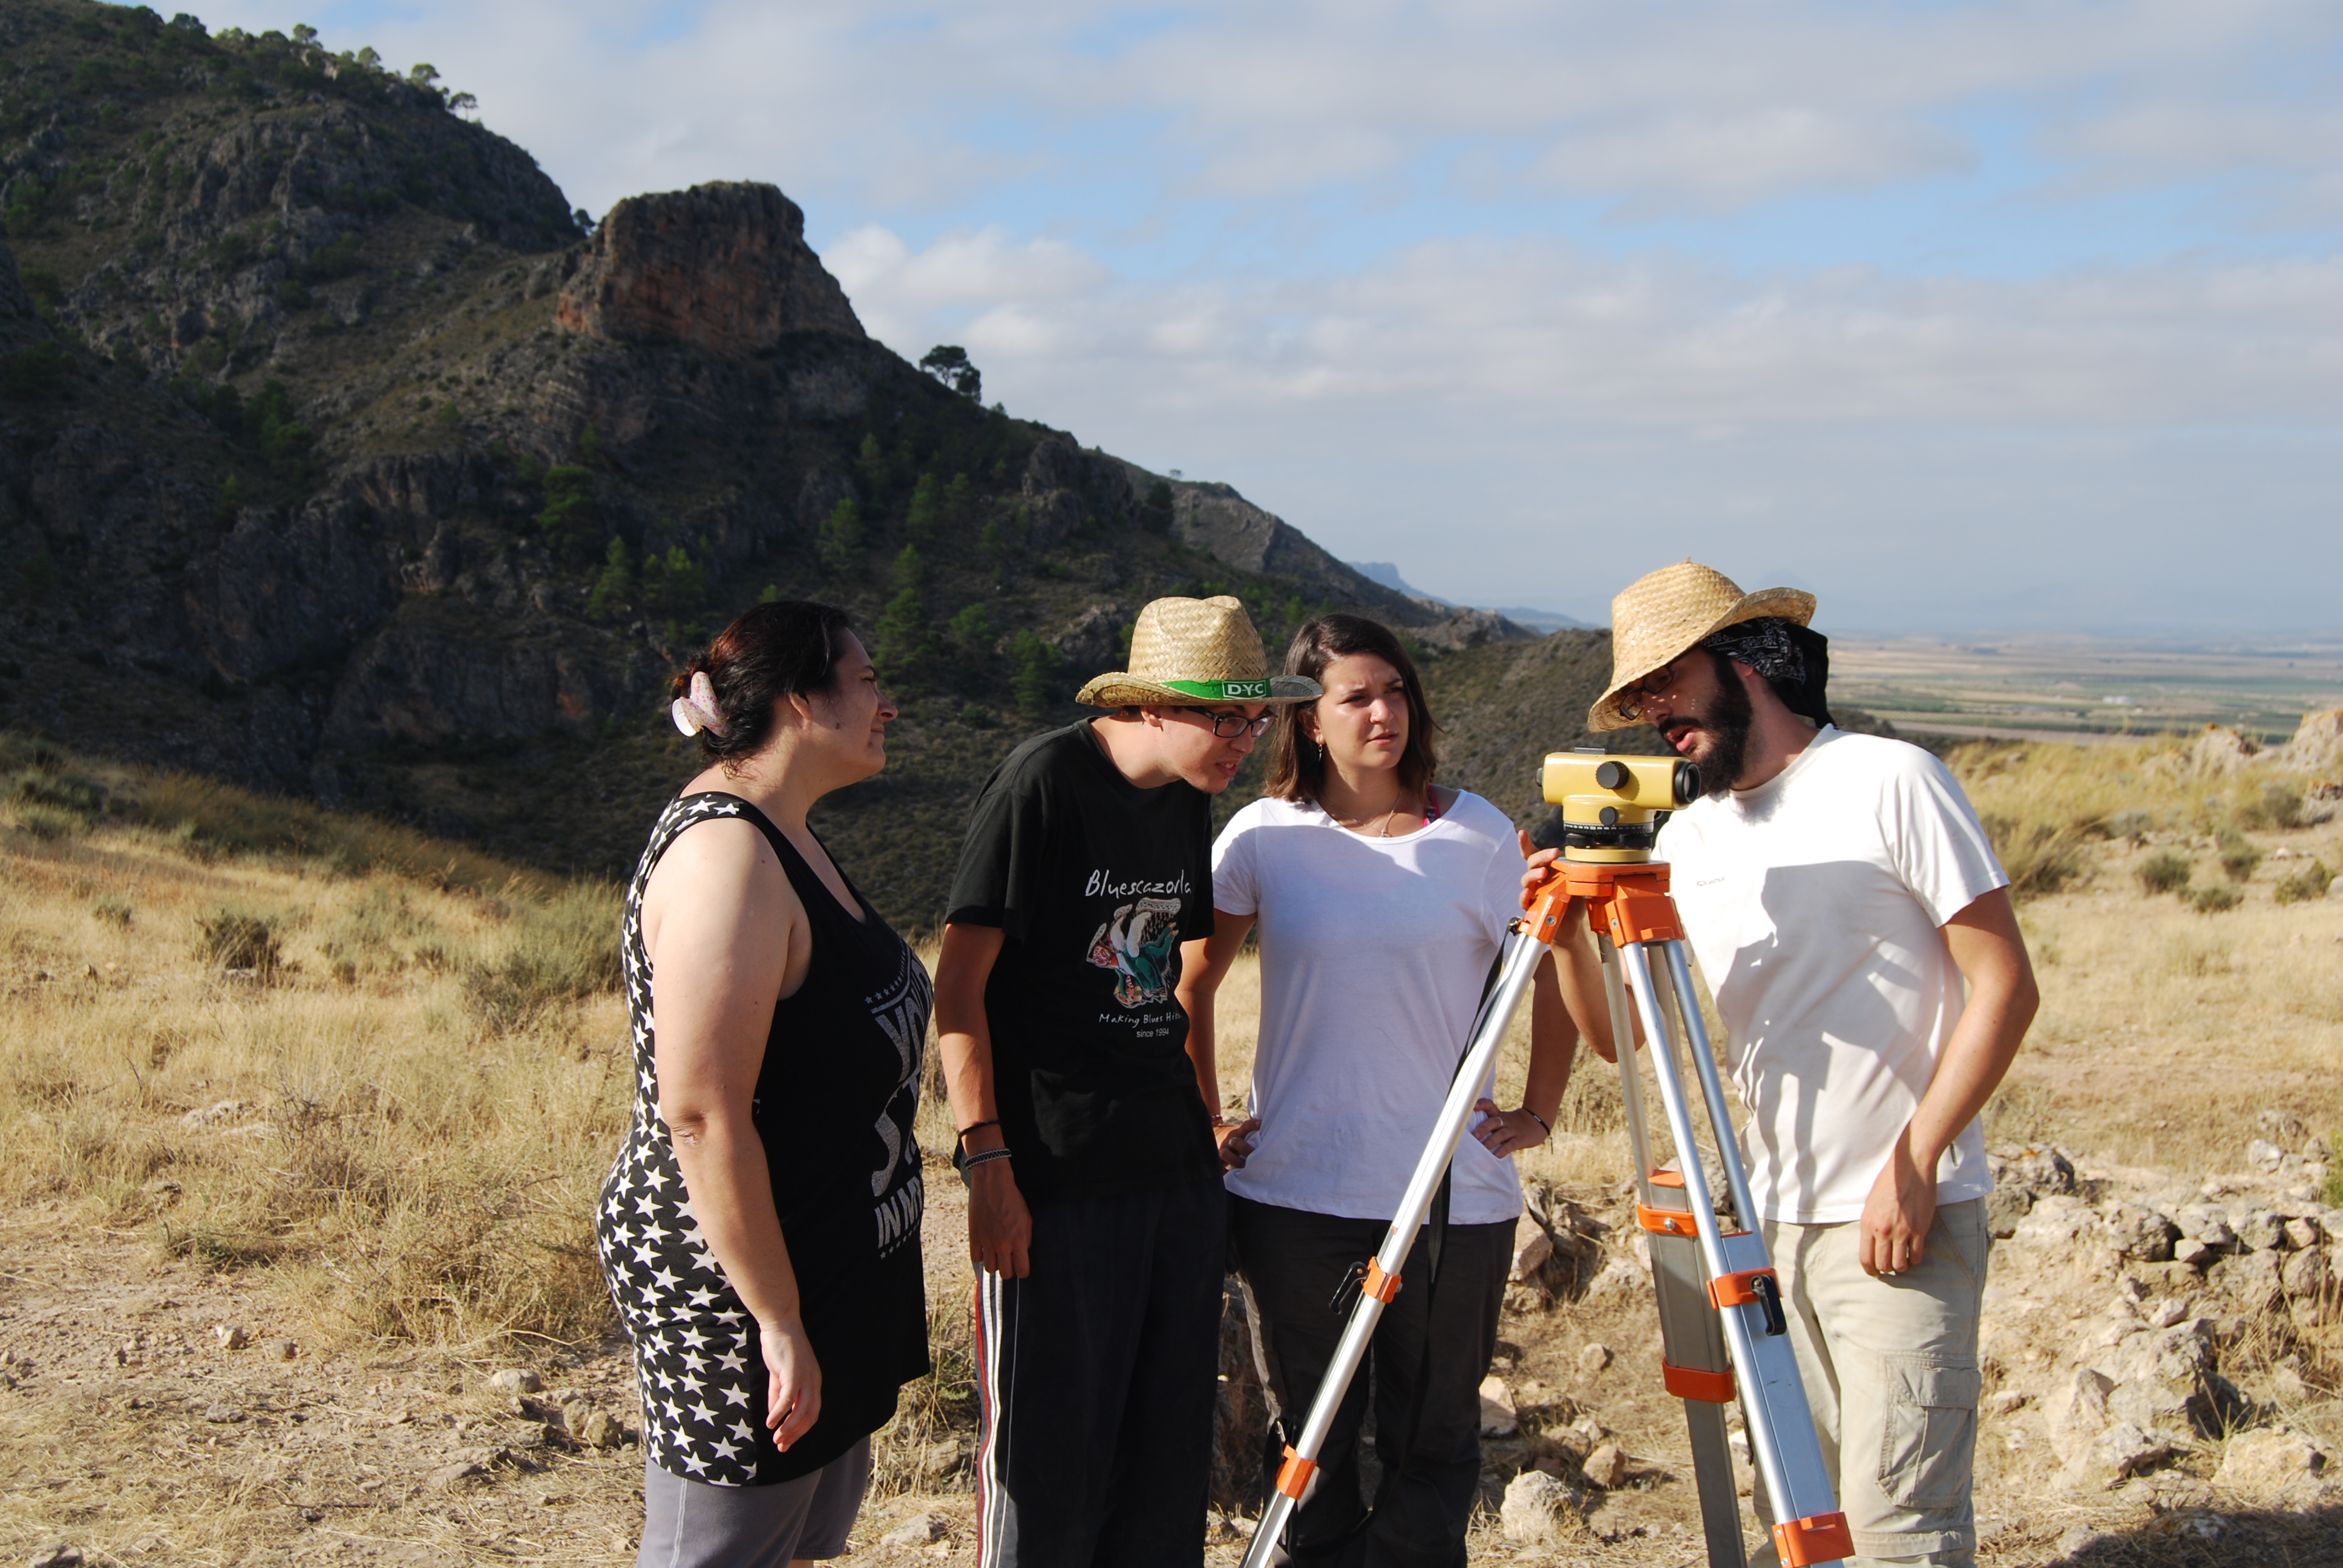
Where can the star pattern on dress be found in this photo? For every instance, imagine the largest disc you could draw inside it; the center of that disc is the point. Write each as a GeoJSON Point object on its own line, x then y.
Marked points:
{"type": "Point", "coordinates": [699, 1360]}
{"type": "Point", "coordinates": [702, 1404]}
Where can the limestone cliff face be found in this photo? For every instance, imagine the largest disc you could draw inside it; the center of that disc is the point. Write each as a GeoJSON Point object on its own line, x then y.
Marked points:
{"type": "Point", "coordinates": [723, 267]}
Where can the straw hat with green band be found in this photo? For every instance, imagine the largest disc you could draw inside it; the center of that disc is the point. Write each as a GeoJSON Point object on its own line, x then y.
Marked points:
{"type": "Point", "coordinates": [1188, 650]}
{"type": "Point", "coordinates": [1664, 614]}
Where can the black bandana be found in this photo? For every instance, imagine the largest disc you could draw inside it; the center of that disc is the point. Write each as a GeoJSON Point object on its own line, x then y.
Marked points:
{"type": "Point", "coordinates": [1794, 660]}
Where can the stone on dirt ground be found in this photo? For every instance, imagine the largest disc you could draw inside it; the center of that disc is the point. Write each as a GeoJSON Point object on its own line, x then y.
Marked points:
{"type": "Point", "coordinates": [1538, 1510]}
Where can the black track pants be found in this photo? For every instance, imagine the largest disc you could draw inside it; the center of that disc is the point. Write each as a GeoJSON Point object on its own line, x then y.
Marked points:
{"type": "Point", "coordinates": [1292, 1263]}
{"type": "Point", "coordinates": [1097, 1374]}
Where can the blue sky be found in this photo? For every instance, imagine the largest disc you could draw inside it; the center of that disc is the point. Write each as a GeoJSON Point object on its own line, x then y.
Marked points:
{"type": "Point", "coordinates": [1975, 317]}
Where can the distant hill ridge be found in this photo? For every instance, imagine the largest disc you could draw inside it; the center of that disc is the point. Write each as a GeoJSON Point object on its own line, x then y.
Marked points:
{"type": "Point", "coordinates": [339, 458]}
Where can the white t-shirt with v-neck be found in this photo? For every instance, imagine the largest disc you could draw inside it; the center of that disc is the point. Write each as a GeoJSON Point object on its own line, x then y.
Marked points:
{"type": "Point", "coordinates": [1815, 904]}
{"type": "Point", "coordinates": [1373, 955]}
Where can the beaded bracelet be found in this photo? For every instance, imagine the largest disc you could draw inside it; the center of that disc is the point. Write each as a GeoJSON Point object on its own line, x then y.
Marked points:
{"type": "Point", "coordinates": [970, 1162]}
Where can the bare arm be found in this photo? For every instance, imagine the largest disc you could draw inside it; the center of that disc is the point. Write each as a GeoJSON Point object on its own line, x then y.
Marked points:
{"type": "Point", "coordinates": [999, 1226]}
{"type": "Point", "coordinates": [723, 925]}
{"type": "Point", "coordinates": [1202, 966]}
{"type": "Point", "coordinates": [1990, 952]}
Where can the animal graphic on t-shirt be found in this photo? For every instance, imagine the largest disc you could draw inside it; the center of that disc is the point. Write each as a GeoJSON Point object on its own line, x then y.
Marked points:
{"type": "Point", "coordinates": [1137, 942]}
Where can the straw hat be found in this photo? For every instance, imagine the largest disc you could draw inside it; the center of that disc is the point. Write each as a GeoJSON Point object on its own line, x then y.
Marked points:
{"type": "Point", "coordinates": [1664, 614]}
{"type": "Point", "coordinates": [1188, 650]}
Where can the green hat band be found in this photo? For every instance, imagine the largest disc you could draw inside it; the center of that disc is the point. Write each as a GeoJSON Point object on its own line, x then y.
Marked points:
{"type": "Point", "coordinates": [1222, 690]}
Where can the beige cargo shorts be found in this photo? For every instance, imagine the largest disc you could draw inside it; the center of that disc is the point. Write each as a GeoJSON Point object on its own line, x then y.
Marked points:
{"type": "Point", "coordinates": [1890, 1367]}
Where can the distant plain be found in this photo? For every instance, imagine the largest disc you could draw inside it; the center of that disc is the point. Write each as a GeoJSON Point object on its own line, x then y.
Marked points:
{"type": "Point", "coordinates": [2085, 689]}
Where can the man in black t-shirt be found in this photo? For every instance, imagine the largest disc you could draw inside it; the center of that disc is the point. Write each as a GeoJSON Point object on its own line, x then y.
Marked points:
{"type": "Point", "coordinates": [1095, 1208]}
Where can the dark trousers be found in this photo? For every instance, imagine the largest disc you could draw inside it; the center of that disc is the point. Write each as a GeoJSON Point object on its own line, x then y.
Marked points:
{"type": "Point", "coordinates": [1096, 1378]}
{"type": "Point", "coordinates": [1292, 1264]}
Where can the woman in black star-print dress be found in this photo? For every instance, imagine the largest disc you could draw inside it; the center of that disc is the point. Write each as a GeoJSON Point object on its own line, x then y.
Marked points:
{"type": "Point", "coordinates": [759, 1232]}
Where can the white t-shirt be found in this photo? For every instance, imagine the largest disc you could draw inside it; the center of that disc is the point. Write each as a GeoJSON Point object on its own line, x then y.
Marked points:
{"type": "Point", "coordinates": [1813, 904]}
{"type": "Point", "coordinates": [1374, 953]}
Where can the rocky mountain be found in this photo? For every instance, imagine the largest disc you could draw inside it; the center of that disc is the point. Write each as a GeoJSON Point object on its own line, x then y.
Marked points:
{"type": "Point", "coordinates": [339, 456]}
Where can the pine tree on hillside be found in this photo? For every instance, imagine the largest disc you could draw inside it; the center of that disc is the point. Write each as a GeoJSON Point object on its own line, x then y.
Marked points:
{"type": "Point", "coordinates": [904, 637]}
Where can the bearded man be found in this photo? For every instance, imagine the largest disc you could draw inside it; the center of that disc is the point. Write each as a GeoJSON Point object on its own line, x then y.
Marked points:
{"type": "Point", "coordinates": [1838, 893]}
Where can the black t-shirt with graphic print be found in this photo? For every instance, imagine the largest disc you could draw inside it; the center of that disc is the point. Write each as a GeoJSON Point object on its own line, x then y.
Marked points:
{"type": "Point", "coordinates": [1094, 883]}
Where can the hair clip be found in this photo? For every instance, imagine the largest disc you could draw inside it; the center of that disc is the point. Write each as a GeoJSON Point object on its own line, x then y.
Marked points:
{"type": "Point", "coordinates": [696, 709]}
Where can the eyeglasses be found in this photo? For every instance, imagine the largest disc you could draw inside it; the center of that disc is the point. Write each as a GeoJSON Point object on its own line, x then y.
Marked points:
{"type": "Point", "coordinates": [1229, 725]}
{"type": "Point", "coordinates": [1630, 701]}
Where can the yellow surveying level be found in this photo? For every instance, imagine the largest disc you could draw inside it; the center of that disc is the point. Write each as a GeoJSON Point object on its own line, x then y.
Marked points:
{"type": "Point", "coordinates": [1721, 1324]}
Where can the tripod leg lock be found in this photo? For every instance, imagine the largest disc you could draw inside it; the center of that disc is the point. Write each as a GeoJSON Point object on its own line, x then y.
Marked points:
{"type": "Point", "coordinates": [1761, 1287]}
{"type": "Point", "coordinates": [1293, 1475]}
{"type": "Point", "coordinates": [1383, 1287]}
{"type": "Point", "coordinates": [1821, 1539]}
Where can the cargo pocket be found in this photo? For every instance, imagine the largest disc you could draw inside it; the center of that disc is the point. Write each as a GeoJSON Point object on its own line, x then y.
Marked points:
{"type": "Point", "coordinates": [1927, 1450]}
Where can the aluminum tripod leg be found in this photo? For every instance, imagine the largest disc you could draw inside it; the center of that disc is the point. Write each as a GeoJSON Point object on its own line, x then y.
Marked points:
{"type": "Point", "coordinates": [1519, 963]}
{"type": "Point", "coordinates": [1692, 1358]}
{"type": "Point", "coordinates": [1739, 1281]}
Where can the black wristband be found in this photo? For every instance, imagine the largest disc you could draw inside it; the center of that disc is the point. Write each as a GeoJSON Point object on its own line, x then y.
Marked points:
{"type": "Point", "coordinates": [1541, 1121]}
{"type": "Point", "coordinates": [975, 1127]}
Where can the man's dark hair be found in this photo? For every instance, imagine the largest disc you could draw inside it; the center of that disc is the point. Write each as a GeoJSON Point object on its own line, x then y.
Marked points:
{"type": "Point", "coordinates": [773, 651]}
{"type": "Point", "coordinates": [1297, 769]}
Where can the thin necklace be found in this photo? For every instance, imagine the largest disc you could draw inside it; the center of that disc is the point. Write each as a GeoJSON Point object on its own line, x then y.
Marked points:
{"type": "Point", "coordinates": [1361, 825]}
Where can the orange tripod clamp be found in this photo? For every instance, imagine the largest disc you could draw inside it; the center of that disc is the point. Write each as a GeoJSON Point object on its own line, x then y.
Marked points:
{"type": "Point", "coordinates": [1378, 1284]}
{"type": "Point", "coordinates": [1293, 1475]}
{"type": "Point", "coordinates": [1740, 1290]}
{"type": "Point", "coordinates": [1824, 1538]}
{"type": "Point", "coordinates": [1697, 1383]}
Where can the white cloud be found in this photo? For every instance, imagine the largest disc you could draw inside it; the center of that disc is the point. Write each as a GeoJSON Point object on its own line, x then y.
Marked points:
{"type": "Point", "coordinates": [1926, 441]}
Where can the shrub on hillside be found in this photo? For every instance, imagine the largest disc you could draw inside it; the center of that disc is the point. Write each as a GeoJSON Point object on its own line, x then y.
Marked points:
{"type": "Point", "coordinates": [2040, 856]}
{"type": "Point", "coordinates": [2239, 855]}
{"type": "Point", "coordinates": [2214, 898]}
{"type": "Point", "coordinates": [2164, 872]}
{"type": "Point", "coordinates": [234, 940]}
{"type": "Point", "coordinates": [2310, 882]}
{"type": "Point", "coordinates": [2273, 805]}
{"type": "Point", "coordinates": [561, 951]}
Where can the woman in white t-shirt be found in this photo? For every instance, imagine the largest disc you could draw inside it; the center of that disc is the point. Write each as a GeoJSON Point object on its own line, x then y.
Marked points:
{"type": "Point", "coordinates": [1381, 902]}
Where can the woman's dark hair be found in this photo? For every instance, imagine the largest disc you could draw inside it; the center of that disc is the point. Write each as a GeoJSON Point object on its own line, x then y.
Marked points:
{"type": "Point", "coordinates": [772, 652]}
{"type": "Point", "coordinates": [1297, 766]}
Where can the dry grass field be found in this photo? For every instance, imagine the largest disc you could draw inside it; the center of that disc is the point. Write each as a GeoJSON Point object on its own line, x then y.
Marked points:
{"type": "Point", "coordinates": [352, 1092]}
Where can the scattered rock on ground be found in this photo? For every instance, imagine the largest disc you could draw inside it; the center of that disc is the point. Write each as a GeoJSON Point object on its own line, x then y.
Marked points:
{"type": "Point", "coordinates": [517, 1380]}
{"type": "Point", "coordinates": [454, 1474]}
{"type": "Point", "coordinates": [2115, 1455]}
{"type": "Point", "coordinates": [223, 1414]}
{"type": "Point", "coordinates": [1537, 1509]}
{"type": "Point", "coordinates": [57, 1555]}
{"type": "Point", "coordinates": [231, 1336]}
{"type": "Point", "coordinates": [2264, 1463]}
{"type": "Point", "coordinates": [1594, 1358]}
{"type": "Point", "coordinates": [1497, 1416]}
{"type": "Point", "coordinates": [917, 1531]}
{"type": "Point", "coordinates": [1606, 1467]}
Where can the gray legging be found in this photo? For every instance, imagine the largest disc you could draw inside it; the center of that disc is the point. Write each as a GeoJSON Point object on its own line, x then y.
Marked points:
{"type": "Point", "coordinates": [691, 1524]}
